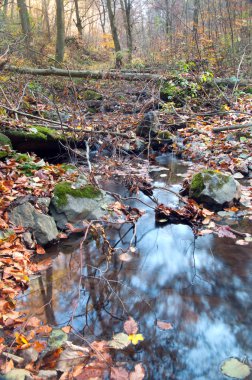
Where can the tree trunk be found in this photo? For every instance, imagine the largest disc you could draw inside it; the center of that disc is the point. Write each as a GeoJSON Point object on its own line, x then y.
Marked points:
{"type": "Point", "coordinates": [78, 22]}
{"type": "Point", "coordinates": [25, 20]}
{"type": "Point", "coordinates": [126, 8]}
{"type": "Point", "coordinates": [60, 39]}
{"type": "Point", "coordinates": [114, 34]}
{"type": "Point", "coordinates": [196, 18]}
{"type": "Point", "coordinates": [46, 20]}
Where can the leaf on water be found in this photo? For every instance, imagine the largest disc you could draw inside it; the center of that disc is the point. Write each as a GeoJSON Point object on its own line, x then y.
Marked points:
{"type": "Point", "coordinates": [135, 338]}
{"type": "Point", "coordinates": [233, 367]}
{"type": "Point", "coordinates": [224, 231]}
{"type": "Point", "coordinates": [138, 374]}
{"type": "Point", "coordinates": [119, 373]}
{"type": "Point", "coordinates": [56, 339]}
{"type": "Point", "coordinates": [241, 242]}
{"type": "Point", "coordinates": [66, 329]}
{"type": "Point", "coordinates": [130, 326]}
{"type": "Point", "coordinates": [125, 257]}
{"type": "Point", "coordinates": [119, 341]}
{"type": "Point", "coordinates": [164, 325]}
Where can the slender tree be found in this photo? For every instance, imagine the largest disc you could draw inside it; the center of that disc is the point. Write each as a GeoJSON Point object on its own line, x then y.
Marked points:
{"type": "Point", "coordinates": [111, 6]}
{"type": "Point", "coordinates": [127, 13]}
{"type": "Point", "coordinates": [60, 38]}
{"type": "Point", "coordinates": [25, 20]}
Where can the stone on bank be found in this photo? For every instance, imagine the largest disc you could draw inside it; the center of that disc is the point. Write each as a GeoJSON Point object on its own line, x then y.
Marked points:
{"type": "Point", "coordinates": [74, 202]}
{"type": "Point", "coordinates": [214, 189]}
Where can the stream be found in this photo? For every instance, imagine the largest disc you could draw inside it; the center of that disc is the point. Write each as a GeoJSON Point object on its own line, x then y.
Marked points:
{"type": "Point", "coordinates": [201, 286]}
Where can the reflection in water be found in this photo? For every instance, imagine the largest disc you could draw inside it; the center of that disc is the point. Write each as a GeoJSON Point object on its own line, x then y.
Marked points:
{"type": "Point", "coordinates": [201, 286]}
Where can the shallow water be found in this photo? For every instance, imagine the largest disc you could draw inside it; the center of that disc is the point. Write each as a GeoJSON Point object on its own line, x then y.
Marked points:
{"type": "Point", "coordinates": [202, 286]}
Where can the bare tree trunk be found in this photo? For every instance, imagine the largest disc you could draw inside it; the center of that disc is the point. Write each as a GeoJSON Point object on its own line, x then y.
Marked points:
{"type": "Point", "coordinates": [196, 18]}
{"type": "Point", "coordinates": [25, 20]}
{"type": "Point", "coordinates": [127, 8]}
{"type": "Point", "coordinates": [60, 39]}
{"type": "Point", "coordinates": [78, 22]}
{"type": "Point", "coordinates": [46, 20]}
{"type": "Point", "coordinates": [111, 13]}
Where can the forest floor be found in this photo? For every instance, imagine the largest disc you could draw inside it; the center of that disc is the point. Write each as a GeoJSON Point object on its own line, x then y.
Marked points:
{"type": "Point", "coordinates": [26, 343]}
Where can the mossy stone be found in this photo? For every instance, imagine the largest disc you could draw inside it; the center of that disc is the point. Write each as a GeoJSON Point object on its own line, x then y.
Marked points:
{"type": "Point", "coordinates": [165, 135]}
{"type": "Point", "coordinates": [92, 95]}
{"type": "Point", "coordinates": [62, 189]}
{"type": "Point", "coordinates": [4, 140]}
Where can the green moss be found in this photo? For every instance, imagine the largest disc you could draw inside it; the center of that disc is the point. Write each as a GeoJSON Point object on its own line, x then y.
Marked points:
{"type": "Point", "coordinates": [35, 133]}
{"type": "Point", "coordinates": [63, 189]}
{"type": "Point", "coordinates": [197, 184]}
{"type": "Point", "coordinates": [4, 140]}
{"type": "Point", "coordinates": [199, 180]}
{"type": "Point", "coordinates": [165, 135]}
{"type": "Point", "coordinates": [92, 95]}
{"type": "Point", "coordinates": [3, 154]}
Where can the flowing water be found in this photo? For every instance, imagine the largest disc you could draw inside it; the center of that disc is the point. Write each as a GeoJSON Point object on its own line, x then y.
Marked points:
{"type": "Point", "coordinates": [201, 286]}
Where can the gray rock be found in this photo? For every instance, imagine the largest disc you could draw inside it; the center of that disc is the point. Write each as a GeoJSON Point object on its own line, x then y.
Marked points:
{"type": "Point", "coordinates": [214, 189]}
{"type": "Point", "coordinates": [27, 239]}
{"type": "Point", "coordinates": [44, 203]}
{"type": "Point", "coordinates": [43, 226]}
{"type": "Point", "coordinates": [148, 126]}
{"type": "Point", "coordinates": [76, 209]}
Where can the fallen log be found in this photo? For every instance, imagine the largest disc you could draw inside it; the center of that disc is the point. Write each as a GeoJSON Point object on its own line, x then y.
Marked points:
{"type": "Point", "coordinates": [85, 73]}
{"type": "Point", "coordinates": [231, 127]}
{"type": "Point", "coordinates": [117, 75]}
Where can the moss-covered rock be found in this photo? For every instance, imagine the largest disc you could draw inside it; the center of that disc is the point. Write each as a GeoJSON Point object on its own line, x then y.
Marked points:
{"type": "Point", "coordinates": [4, 140]}
{"type": "Point", "coordinates": [63, 189]}
{"type": "Point", "coordinates": [214, 189]}
{"type": "Point", "coordinates": [38, 139]}
{"type": "Point", "coordinates": [77, 201]}
{"type": "Point", "coordinates": [92, 95]}
{"type": "Point", "coordinates": [165, 135]}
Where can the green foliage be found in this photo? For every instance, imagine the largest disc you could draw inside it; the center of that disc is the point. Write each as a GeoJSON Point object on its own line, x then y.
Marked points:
{"type": "Point", "coordinates": [178, 90]}
{"type": "Point", "coordinates": [4, 140]}
{"type": "Point", "coordinates": [63, 189]}
{"type": "Point", "coordinates": [92, 95]}
{"type": "Point", "coordinates": [27, 164]}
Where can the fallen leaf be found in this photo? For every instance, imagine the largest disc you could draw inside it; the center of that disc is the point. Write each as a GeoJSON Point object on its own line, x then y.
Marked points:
{"type": "Point", "coordinates": [119, 341]}
{"type": "Point", "coordinates": [235, 368]}
{"type": "Point", "coordinates": [130, 326]}
{"type": "Point", "coordinates": [119, 373]}
{"type": "Point", "coordinates": [164, 325]}
{"type": "Point", "coordinates": [241, 242]}
{"type": "Point", "coordinates": [136, 338]}
{"type": "Point", "coordinates": [138, 374]}
{"type": "Point", "coordinates": [40, 250]}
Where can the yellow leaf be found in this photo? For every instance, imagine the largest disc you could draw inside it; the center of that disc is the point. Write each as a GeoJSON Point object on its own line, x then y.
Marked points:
{"type": "Point", "coordinates": [20, 339]}
{"type": "Point", "coordinates": [135, 338]}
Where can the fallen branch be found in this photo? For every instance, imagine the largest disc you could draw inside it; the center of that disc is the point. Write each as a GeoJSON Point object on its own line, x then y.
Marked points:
{"type": "Point", "coordinates": [84, 73]}
{"type": "Point", "coordinates": [63, 126]}
{"type": "Point", "coordinates": [231, 127]}
{"type": "Point", "coordinates": [129, 76]}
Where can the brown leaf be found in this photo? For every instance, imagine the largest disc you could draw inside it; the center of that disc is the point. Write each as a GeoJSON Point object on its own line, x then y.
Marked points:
{"type": "Point", "coordinates": [119, 373]}
{"type": "Point", "coordinates": [66, 329]}
{"type": "Point", "coordinates": [130, 326]}
{"type": "Point", "coordinates": [40, 250]}
{"type": "Point", "coordinates": [164, 325]}
{"type": "Point", "coordinates": [138, 374]}
{"type": "Point", "coordinates": [33, 322]}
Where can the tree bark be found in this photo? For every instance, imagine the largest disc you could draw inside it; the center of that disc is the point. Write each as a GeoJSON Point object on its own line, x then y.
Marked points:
{"type": "Point", "coordinates": [129, 76]}
{"type": "Point", "coordinates": [60, 39]}
{"type": "Point", "coordinates": [114, 33]}
{"type": "Point", "coordinates": [78, 22]}
{"type": "Point", "coordinates": [127, 11]}
{"type": "Point", "coordinates": [25, 20]}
